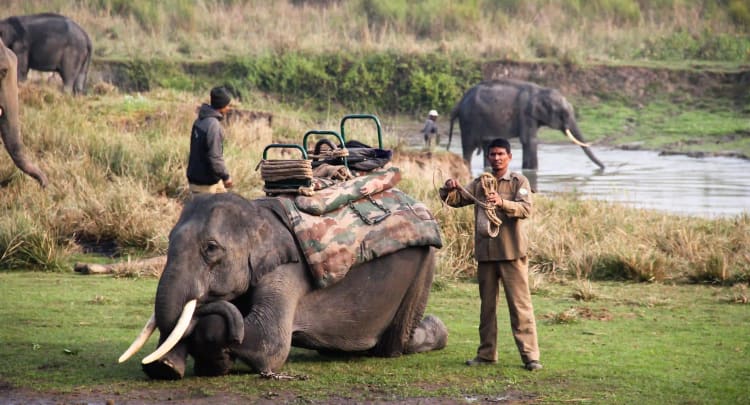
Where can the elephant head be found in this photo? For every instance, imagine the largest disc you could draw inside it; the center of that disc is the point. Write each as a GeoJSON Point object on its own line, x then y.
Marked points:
{"type": "Point", "coordinates": [10, 128]}
{"type": "Point", "coordinates": [512, 108]}
{"type": "Point", "coordinates": [219, 250]}
{"type": "Point", "coordinates": [549, 108]}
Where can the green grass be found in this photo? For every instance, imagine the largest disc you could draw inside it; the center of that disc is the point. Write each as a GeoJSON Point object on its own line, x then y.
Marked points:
{"type": "Point", "coordinates": [634, 343]}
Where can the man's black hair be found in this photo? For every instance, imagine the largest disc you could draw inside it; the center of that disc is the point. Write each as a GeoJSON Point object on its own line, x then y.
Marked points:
{"type": "Point", "coordinates": [499, 143]}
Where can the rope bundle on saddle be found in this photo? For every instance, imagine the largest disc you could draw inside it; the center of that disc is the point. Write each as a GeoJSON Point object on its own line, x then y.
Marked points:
{"type": "Point", "coordinates": [326, 150]}
{"type": "Point", "coordinates": [487, 219]}
{"type": "Point", "coordinates": [287, 176]}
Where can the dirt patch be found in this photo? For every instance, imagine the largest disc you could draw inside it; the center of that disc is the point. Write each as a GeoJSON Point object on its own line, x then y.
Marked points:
{"type": "Point", "coordinates": [10, 395]}
{"type": "Point", "coordinates": [431, 166]}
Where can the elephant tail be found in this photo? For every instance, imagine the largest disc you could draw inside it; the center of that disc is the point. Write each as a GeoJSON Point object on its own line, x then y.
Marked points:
{"type": "Point", "coordinates": [454, 115]}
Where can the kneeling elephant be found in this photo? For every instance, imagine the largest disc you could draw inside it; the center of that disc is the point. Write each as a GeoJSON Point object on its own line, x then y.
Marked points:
{"type": "Point", "coordinates": [236, 287]}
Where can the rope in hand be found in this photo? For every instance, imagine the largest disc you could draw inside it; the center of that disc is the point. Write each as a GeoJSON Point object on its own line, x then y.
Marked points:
{"type": "Point", "coordinates": [488, 183]}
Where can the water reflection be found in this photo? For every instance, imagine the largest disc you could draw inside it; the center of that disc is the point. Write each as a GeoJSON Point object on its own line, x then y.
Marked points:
{"type": "Point", "coordinates": [708, 187]}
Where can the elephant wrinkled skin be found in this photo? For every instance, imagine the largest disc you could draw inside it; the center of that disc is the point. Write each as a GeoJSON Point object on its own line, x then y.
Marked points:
{"type": "Point", "coordinates": [49, 42]}
{"type": "Point", "coordinates": [10, 127]}
{"type": "Point", "coordinates": [237, 268]}
{"type": "Point", "coordinates": [511, 108]}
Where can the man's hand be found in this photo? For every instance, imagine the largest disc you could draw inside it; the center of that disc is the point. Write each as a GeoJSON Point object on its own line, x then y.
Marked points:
{"type": "Point", "coordinates": [451, 184]}
{"type": "Point", "coordinates": [228, 183]}
{"type": "Point", "coordinates": [494, 199]}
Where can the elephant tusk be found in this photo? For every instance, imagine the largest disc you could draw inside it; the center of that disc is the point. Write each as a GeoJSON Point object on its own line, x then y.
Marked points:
{"type": "Point", "coordinates": [575, 141]}
{"type": "Point", "coordinates": [139, 341]}
{"type": "Point", "coordinates": [176, 335]}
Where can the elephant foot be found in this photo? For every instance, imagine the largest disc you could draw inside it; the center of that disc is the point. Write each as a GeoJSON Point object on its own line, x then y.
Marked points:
{"type": "Point", "coordinates": [163, 369]}
{"type": "Point", "coordinates": [430, 334]}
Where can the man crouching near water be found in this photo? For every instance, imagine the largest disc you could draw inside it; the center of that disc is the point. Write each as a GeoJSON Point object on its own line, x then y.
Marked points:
{"type": "Point", "coordinates": [502, 257]}
{"type": "Point", "coordinates": [206, 171]}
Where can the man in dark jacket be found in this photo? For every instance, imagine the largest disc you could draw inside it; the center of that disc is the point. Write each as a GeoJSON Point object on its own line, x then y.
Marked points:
{"type": "Point", "coordinates": [206, 171]}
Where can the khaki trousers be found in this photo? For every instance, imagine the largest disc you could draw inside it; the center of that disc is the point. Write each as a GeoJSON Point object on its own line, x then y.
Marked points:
{"type": "Point", "coordinates": [514, 275]}
{"type": "Point", "coordinates": [212, 189]}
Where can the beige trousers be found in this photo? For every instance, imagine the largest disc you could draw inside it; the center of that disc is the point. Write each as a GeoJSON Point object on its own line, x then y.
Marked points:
{"type": "Point", "coordinates": [212, 189]}
{"type": "Point", "coordinates": [514, 275]}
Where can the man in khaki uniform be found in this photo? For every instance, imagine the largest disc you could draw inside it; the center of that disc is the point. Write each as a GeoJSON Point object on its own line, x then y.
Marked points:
{"type": "Point", "coordinates": [501, 257]}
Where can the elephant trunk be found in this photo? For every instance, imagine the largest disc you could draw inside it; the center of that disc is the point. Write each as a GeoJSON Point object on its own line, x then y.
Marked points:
{"type": "Point", "coordinates": [232, 316]}
{"type": "Point", "coordinates": [575, 135]}
{"type": "Point", "coordinates": [186, 323]}
{"type": "Point", "coordinates": [11, 135]}
{"type": "Point", "coordinates": [177, 311]}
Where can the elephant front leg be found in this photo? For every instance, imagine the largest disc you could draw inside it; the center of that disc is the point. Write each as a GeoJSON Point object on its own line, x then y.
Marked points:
{"type": "Point", "coordinates": [266, 347]}
{"type": "Point", "coordinates": [530, 159]}
{"type": "Point", "coordinates": [171, 366]}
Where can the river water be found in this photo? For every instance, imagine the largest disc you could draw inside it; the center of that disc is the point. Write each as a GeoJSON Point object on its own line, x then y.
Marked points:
{"type": "Point", "coordinates": [706, 187]}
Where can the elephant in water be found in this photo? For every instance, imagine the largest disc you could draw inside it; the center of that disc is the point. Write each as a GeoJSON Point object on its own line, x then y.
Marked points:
{"type": "Point", "coordinates": [236, 286]}
{"type": "Point", "coordinates": [10, 127]}
{"type": "Point", "coordinates": [510, 108]}
{"type": "Point", "coordinates": [50, 43]}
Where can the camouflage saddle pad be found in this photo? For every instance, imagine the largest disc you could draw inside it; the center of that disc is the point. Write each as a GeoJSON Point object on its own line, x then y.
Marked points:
{"type": "Point", "coordinates": [343, 227]}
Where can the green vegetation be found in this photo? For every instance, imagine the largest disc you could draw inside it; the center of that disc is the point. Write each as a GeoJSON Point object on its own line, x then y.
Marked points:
{"type": "Point", "coordinates": [634, 343]}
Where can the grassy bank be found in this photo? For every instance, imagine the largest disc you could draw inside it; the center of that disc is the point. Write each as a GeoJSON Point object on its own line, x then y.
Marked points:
{"type": "Point", "coordinates": [635, 343]}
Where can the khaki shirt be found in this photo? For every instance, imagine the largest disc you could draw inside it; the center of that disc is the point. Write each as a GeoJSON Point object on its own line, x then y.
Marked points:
{"type": "Point", "coordinates": [511, 243]}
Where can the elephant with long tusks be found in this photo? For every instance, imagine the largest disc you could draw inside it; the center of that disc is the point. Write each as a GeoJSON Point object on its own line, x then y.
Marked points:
{"type": "Point", "coordinates": [512, 108]}
{"type": "Point", "coordinates": [237, 287]}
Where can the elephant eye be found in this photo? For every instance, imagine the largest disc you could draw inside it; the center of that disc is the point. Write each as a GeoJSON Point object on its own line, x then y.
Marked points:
{"type": "Point", "coordinates": [3, 73]}
{"type": "Point", "coordinates": [212, 250]}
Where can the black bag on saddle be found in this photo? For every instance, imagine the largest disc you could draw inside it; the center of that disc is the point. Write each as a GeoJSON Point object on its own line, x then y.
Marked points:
{"type": "Point", "coordinates": [363, 158]}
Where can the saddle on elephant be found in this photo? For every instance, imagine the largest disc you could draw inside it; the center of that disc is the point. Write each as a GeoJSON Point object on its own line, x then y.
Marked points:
{"type": "Point", "coordinates": [357, 220]}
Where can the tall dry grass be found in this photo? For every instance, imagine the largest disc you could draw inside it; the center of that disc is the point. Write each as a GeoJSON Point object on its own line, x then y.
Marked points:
{"type": "Point", "coordinates": [116, 164]}
{"type": "Point", "coordinates": [567, 30]}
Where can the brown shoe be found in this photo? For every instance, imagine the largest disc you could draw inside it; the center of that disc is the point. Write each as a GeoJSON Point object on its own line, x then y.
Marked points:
{"type": "Point", "coordinates": [478, 361]}
{"type": "Point", "coordinates": [533, 365]}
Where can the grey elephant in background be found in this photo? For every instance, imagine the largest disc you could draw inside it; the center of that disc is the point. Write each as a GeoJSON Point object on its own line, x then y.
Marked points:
{"type": "Point", "coordinates": [10, 127]}
{"type": "Point", "coordinates": [49, 42]}
{"type": "Point", "coordinates": [511, 108]}
{"type": "Point", "coordinates": [236, 286]}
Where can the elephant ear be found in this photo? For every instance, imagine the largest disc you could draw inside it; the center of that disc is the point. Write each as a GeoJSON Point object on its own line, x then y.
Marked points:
{"type": "Point", "coordinates": [542, 107]}
{"type": "Point", "coordinates": [272, 241]}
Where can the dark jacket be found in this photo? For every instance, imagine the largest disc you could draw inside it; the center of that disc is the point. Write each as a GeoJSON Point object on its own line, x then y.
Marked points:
{"type": "Point", "coordinates": [206, 164]}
